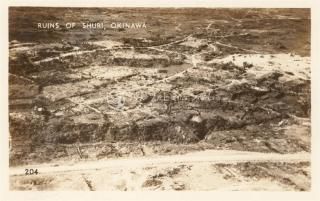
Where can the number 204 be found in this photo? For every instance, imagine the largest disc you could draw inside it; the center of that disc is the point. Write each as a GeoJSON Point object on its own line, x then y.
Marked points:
{"type": "Point", "coordinates": [31, 171]}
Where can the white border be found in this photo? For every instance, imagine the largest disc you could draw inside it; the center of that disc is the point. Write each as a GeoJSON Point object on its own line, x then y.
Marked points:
{"type": "Point", "coordinates": [166, 3]}
{"type": "Point", "coordinates": [7, 195]}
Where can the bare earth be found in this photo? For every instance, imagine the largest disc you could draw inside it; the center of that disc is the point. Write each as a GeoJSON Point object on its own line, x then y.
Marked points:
{"type": "Point", "coordinates": [193, 169]}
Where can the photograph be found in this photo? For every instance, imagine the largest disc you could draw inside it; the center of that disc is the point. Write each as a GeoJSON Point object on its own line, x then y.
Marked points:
{"type": "Point", "coordinates": [159, 99]}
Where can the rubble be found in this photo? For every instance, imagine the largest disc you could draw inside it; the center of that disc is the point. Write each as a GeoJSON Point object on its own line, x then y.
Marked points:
{"type": "Point", "coordinates": [226, 86]}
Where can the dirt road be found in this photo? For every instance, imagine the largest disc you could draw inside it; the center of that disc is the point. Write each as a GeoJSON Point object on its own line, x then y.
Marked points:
{"type": "Point", "coordinates": [204, 170]}
{"type": "Point", "coordinates": [209, 156]}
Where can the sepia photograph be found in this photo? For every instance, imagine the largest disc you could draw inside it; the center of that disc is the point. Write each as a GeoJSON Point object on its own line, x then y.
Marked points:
{"type": "Point", "coordinates": [159, 99]}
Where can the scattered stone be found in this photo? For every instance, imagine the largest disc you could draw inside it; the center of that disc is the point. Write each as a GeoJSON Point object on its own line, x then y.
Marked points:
{"type": "Point", "coordinates": [151, 183]}
{"type": "Point", "coordinates": [178, 186]}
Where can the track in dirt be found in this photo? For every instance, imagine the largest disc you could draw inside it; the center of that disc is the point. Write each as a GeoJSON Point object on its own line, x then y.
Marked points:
{"type": "Point", "coordinates": [209, 156]}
